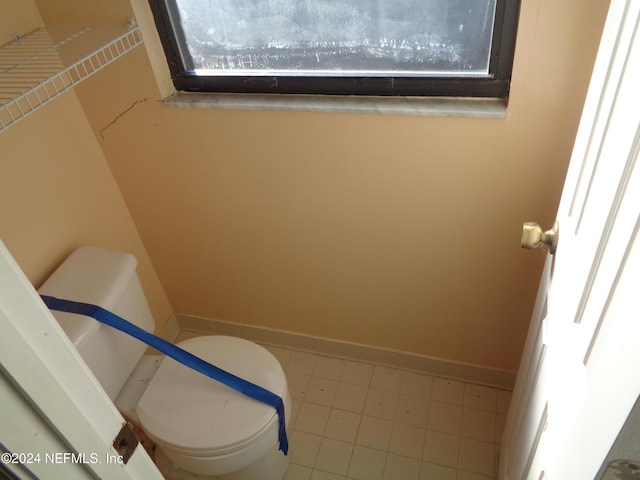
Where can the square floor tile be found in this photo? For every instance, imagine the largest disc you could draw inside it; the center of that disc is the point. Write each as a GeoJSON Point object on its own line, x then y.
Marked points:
{"type": "Point", "coordinates": [357, 373]}
{"type": "Point", "coordinates": [504, 400]}
{"type": "Point", "coordinates": [445, 417]}
{"type": "Point", "coordinates": [381, 404]}
{"type": "Point", "coordinates": [407, 440]}
{"type": "Point", "coordinates": [477, 457]}
{"type": "Point", "coordinates": [388, 379]}
{"type": "Point", "coordinates": [298, 384]}
{"type": "Point", "coordinates": [412, 411]}
{"type": "Point", "coordinates": [374, 433]}
{"type": "Point", "coordinates": [447, 391]}
{"type": "Point", "coordinates": [303, 448]}
{"type": "Point", "coordinates": [480, 398]}
{"type": "Point", "coordinates": [320, 475]}
{"type": "Point", "coordinates": [366, 464]}
{"type": "Point", "coordinates": [462, 475]}
{"type": "Point", "coordinates": [416, 385]}
{"type": "Point", "coordinates": [334, 456]}
{"type": "Point", "coordinates": [312, 418]}
{"type": "Point", "coordinates": [321, 391]}
{"type": "Point", "coordinates": [343, 425]}
{"type": "Point", "coordinates": [302, 362]}
{"type": "Point", "coordinates": [350, 397]}
{"type": "Point", "coordinates": [479, 425]}
{"type": "Point", "coordinates": [431, 471]}
{"type": "Point", "coordinates": [328, 367]}
{"type": "Point", "coordinates": [295, 409]}
{"type": "Point", "coordinates": [298, 472]}
{"type": "Point", "coordinates": [441, 448]}
{"type": "Point", "coordinates": [401, 468]}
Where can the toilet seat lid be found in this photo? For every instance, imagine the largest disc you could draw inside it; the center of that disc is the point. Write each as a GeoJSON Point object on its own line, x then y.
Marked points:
{"type": "Point", "coordinates": [186, 409]}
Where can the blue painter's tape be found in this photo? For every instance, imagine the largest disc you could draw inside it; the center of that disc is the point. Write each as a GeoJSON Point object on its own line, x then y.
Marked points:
{"type": "Point", "coordinates": [239, 384]}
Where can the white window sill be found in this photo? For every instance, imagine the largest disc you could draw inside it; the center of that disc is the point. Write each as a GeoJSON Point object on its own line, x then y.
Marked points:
{"type": "Point", "coordinates": [427, 106]}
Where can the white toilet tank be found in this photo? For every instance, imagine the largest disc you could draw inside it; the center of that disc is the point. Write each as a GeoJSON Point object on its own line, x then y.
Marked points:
{"type": "Point", "coordinates": [108, 279]}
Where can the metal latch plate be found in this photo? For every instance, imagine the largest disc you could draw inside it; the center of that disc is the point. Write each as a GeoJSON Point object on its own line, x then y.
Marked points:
{"type": "Point", "coordinates": [126, 442]}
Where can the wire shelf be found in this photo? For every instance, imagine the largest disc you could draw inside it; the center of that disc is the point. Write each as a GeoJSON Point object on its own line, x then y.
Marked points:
{"type": "Point", "coordinates": [42, 65]}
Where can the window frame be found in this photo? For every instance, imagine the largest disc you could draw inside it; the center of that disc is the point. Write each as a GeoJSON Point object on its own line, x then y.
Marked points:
{"type": "Point", "coordinates": [495, 85]}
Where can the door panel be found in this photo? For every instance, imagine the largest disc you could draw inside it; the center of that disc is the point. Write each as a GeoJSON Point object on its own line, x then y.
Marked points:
{"type": "Point", "coordinates": [529, 419]}
{"type": "Point", "coordinates": [566, 402]}
{"type": "Point", "coordinates": [38, 358]}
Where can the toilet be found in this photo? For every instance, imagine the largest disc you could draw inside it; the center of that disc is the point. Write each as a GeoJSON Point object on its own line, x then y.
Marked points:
{"type": "Point", "coordinates": [202, 428]}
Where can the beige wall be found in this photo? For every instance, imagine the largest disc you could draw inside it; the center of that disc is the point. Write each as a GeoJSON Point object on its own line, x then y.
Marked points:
{"type": "Point", "coordinates": [57, 191]}
{"type": "Point", "coordinates": [400, 232]}
{"type": "Point", "coordinates": [24, 18]}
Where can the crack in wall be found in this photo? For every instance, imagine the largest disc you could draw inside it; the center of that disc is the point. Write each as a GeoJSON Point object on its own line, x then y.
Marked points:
{"type": "Point", "coordinates": [120, 115]}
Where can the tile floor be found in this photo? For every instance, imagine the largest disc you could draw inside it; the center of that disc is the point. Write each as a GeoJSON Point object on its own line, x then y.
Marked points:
{"type": "Point", "coordinates": [360, 421]}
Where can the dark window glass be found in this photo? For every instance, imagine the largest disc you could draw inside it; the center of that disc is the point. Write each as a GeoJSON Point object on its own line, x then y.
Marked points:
{"type": "Point", "coordinates": [374, 47]}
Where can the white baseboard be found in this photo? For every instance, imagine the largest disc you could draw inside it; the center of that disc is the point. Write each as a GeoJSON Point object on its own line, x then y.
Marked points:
{"type": "Point", "coordinates": [171, 329]}
{"type": "Point", "coordinates": [169, 332]}
{"type": "Point", "coordinates": [338, 348]}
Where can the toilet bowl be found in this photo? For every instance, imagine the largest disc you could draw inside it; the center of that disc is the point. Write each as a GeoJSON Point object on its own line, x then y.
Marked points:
{"type": "Point", "coordinates": [204, 429]}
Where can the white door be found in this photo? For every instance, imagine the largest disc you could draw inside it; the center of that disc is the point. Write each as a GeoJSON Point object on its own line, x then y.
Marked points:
{"type": "Point", "coordinates": [579, 377]}
{"type": "Point", "coordinates": [55, 420]}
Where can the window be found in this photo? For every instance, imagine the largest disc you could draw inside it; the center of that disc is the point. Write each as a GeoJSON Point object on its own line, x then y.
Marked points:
{"type": "Point", "coordinates": [340, 47]}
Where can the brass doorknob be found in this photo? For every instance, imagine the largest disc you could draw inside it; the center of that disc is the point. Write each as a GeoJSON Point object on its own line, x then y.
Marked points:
{"type": "Point", "coordinates": [534, 237]}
